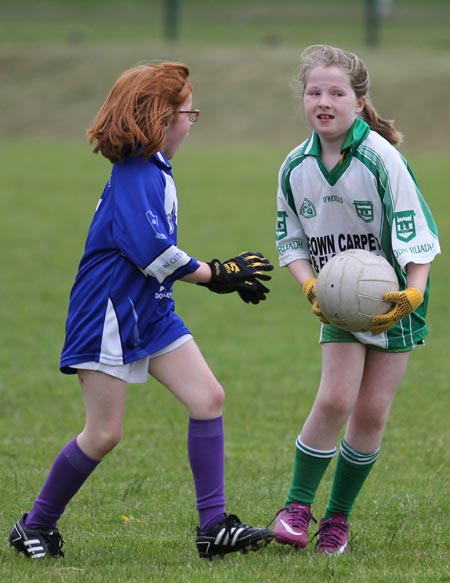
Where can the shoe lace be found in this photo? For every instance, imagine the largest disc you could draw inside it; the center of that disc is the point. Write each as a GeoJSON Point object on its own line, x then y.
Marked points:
{"type": "Point", "coordinates": [230, 524]}
{"type": "Point", "coordinates": [298, 517]}
{"type": "Point", "coordinates": [331, 534]}
{"type": "Point", "coordinates": [54, 542]}
{"type": "Point", "coordinates": [232, 521]}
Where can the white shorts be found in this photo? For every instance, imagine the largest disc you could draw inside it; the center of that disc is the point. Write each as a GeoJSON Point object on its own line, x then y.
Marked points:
{"type": "Point", "coordinates": [133, 372]}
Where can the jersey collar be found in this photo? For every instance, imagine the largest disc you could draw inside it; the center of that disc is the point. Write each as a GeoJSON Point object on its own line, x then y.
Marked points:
{"type": "Point", "coordinates": [356, 134]}
{"type": "Point", "coordinates": [161, 160]}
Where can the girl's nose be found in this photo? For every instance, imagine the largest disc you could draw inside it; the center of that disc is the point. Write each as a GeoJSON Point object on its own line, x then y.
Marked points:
{"type": "Point", "coordinates": [323, 101]}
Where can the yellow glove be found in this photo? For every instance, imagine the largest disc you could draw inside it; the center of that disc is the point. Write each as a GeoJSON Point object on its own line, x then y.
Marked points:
{"type": "Point", "coordinates": [309, 287]}
{"type": "Point", "coordinates": [404, 302]}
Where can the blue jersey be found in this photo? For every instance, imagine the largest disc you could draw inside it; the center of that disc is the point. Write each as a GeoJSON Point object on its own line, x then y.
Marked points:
{"type": "Point", "coordinates": [121, 307]}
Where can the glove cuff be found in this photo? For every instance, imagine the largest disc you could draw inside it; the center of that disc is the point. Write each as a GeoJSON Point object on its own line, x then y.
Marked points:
{"type": "Point", "coordinates": [415, 297]}
{"type": "Point", "coordinates": [309, 287]}
{"type": "Point", "coordinates": [216, 270]}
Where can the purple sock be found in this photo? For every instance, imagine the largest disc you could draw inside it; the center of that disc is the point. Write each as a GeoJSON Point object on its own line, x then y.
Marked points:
{"type": "Point", "coordinates": [206, 456]}
{"type": "Point", "coordinates": [70, 470]}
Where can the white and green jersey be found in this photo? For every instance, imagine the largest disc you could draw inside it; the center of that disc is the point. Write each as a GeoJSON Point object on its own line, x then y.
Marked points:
{"type": "Point", "coordinates": [370, 200]}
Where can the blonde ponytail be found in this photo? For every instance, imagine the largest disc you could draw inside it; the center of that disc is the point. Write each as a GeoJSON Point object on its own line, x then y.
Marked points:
{"type": "Point", "coordinates": [384, 127]}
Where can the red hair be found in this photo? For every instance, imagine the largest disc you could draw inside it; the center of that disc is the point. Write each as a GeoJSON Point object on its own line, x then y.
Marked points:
{"type": "Point", "coordinates": [141, 104]}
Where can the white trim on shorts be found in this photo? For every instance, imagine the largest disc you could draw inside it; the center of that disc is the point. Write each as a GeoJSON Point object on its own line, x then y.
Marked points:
{"type": "Point", "coordinates": [134, 372]}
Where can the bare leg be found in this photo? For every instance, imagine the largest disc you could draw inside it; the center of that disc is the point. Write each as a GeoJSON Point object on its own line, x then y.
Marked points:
{"type": "Point", "coordinates": [382, 375]}
{"type": "Point", "coordinates": [104, 398]}
{"type": "Point", "coordinates": [186, 374]}
{"type": "Point", "coordinates": [342, 371]}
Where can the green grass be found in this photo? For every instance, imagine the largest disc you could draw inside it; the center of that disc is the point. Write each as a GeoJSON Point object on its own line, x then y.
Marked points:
{"type": "Point", "coordinates": [134, 520]}
{"type": "Point", "coordinates": [244, 94]}
{"type": "Point", "coordinates": [230, 22]}
{"type": "Point", "coordinates": [267, 358]}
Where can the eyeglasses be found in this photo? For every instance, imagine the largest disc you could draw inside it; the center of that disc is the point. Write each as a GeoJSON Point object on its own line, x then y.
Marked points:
{"type": "Point", "coordinates": [193, 114]}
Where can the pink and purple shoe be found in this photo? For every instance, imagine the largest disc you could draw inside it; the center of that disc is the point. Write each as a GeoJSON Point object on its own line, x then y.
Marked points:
{"type": "Point", "coordinates": [292, 523]}
{"type": "Point", "coordinates": [333, 535]}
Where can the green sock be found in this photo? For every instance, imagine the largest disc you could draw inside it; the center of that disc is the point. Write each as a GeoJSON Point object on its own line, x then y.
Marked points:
{"type": "Point", "coordinates": [309, 468]}
{"type": "Point", "coordinates": [352, 469]}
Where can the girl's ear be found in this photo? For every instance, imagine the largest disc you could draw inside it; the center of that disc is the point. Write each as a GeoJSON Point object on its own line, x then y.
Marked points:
{"type": "Point", "coordinates": [360, 104]}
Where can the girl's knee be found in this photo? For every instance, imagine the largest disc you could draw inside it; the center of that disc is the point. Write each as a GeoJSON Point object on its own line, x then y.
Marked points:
{"type": "Point", "coordinates": [371, 420]}
{"type": "Point", "coordinates": [208, 403]}
{"type": "Point", "coordinates": [215, 397]}
{"type": "Point", "coordinates": [99, 443]}
{"type": "Point", "coordinates": [218, 395]}
{"type": "Point", "coordinates": [336, 406]}
{"type": "Point", "coordinates": [109, 441]}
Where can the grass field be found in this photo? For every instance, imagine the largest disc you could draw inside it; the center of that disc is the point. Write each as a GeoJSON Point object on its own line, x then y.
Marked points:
{"type": "Point", "coordinates": [134, 521]}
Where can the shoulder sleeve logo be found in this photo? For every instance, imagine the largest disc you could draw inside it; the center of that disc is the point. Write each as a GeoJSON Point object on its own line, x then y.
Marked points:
{"type": "Point", "coordinates": [281, 225]}
{"type": "Point", "coordinates": [405, 226]}
{"type": "Point", "coordinates": [154, 221]}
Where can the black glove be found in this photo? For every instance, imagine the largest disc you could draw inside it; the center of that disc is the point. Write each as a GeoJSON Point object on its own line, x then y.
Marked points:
{"type": "Point", "coordinates": [253, 291]}
{"type": "Point", "coordinates": [241, 274]}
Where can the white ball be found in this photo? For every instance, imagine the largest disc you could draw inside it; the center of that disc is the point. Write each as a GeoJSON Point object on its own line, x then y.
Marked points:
{"type": "Point", "coordinates": [350, 289]}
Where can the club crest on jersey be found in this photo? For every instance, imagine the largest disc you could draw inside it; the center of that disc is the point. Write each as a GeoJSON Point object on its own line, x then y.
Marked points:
{"type": "Point", "coordinates": [308, 210]}
{"type": "Point", "coordinates": [405, 225]}
{"type": "Point", "coordinates": [364, 210]}
{"type": "Point", "coordinates": [154, 221]}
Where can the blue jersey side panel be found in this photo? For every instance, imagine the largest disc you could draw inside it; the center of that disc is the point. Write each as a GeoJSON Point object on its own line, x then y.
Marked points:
{"type": "Point", "coordinates": [117, 313]}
